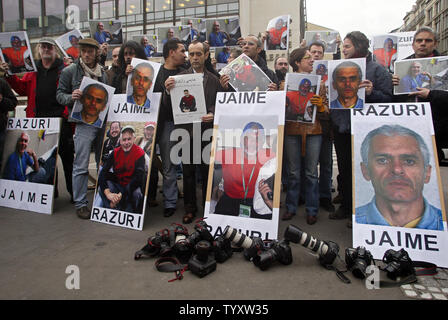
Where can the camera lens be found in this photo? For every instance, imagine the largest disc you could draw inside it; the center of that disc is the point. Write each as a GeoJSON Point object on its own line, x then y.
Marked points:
{"type": "Point", "coordinates": [264, 259]}
{"type": "Point", "coordinates": [202, 250]}
{"type": "Point", "coordinates": [237, 238]}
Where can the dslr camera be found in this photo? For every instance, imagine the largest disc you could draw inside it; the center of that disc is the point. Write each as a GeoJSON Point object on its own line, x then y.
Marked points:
{"type": "Point", "coordinates": [275, 251]}
{"type": "Point", "coordinates": [398, 264]}
{"type": "Point", "coordinates": [358, 260]}
{"type": "Point", "coordinates": [251, 246]}
{"type": "Point", "coordinates": [202, 263]}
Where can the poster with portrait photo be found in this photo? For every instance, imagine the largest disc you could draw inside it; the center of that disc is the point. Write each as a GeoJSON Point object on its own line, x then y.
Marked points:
{"type": "Point", "coordinates": [300, 88]}
{"type": "Point", "coordinates": [430, 73]}
{"type": "Point", "coordinates": [345, 76]}
{"type": "Point", "coordinates": [278, 33]}
{"type": "Point", "coordinates": [29, 161]}
{"type": "Point", "coordinates": [327, 37]}
{"type": "Point", "coordinates": [320, 68]}
{"type": "Point", "coordinates": [16, 51]}
{"type": "Point", "coordinates": [181, 33]}
{"type": "Point", "coordinates": [188, 99]}
{"type": "Point", "coordinates": [106, 31]}
{"type": "Point", "coordinates": [221, 54]}
{"type": "Point", "coordinates": [385, 50]}
{"type": "Point", "coordinates": [398, 198]}
{"type": "Point", "coordinates": [141, 80]}
{"type": "Point", "coordinates": [198, 28]}
{"type": "Point", "coordinates": [123, 177]}
{"type": "Point", "coordinates": [247, 138]}
{"type": "Point", "coordinates": [92, 108]}
{"type": "Point", "coordinates": [152, 42]}
{"type": "Point", "coordinates": [245, 75]}
{"type": "Point", "coordinates": [404, 47]}
{"type": "Point", "coordinates": [223, 32]}
{"type": "Point", "coordinates": [68, 43]}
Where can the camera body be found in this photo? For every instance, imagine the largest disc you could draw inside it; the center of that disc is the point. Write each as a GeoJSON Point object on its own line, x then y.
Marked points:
{"type": "Point", "coordinates": [398, 264]}
{"type": "Point", "coordinates": [202, 263]}
{"type": "Point", "coordinates": [276, 251]}
{"type": "Point", "coordinates": [358, 260]}
{"type": "Point", "coordinates": [222, 249]}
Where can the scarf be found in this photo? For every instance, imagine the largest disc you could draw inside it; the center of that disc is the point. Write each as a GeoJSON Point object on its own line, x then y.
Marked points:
{"type": "Point", "coordinates": [95, 73]}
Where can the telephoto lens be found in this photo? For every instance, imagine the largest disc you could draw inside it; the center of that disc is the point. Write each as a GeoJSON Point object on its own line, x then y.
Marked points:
{"type": "Point", "coordinates": [251, 246]}
{"type": "Point", "coordinates": [327, 251]}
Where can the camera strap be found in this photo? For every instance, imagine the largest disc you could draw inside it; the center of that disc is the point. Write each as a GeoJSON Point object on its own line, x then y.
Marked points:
{"type": "Point", "coordinates": [421, 268]}
{"type": "Point", "coordinates": [171, 264]}
{"type": "Point", "coordinates": [339, 273]}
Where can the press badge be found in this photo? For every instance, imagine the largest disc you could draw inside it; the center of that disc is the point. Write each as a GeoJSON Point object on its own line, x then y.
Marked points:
{"type": "Point", "coordinates": [244, 211]}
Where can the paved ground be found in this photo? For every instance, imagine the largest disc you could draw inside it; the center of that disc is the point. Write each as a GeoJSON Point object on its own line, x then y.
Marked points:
{"type": "Point", "coordinates": [37, 249]}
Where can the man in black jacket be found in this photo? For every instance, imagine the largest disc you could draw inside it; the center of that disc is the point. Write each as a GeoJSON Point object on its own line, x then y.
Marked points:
{"type": "Point", "coordinates": [425, 46]}
{"type": "Point", "coordinates": [198, 54]}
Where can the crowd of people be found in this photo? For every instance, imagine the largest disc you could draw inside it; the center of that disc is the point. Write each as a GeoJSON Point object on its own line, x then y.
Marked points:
{"type": "Point", "coordinates": [308, 148]}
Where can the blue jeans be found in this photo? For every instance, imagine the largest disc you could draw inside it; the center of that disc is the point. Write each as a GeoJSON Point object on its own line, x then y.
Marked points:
{"type": "Point", "coordinates": [84, 136]}
{"type": "Point", "coordinates": [325, 167]}
{"type": "Point", "coordinates": [168, 168]}
{"type": "Point", "coordinates": [293, 147]}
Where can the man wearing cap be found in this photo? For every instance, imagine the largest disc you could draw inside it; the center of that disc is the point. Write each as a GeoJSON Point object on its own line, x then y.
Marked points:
{"type": "Point", "coordinates": [40, 88]}
{"type": "Point", "coordinates": [15, 55]}
{"type": "Point", "coordinates": [67, 93]}
{"type": "Point", "coordinates": [121, 189]}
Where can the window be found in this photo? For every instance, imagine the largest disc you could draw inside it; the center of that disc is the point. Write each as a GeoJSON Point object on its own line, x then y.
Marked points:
{"type": "Point", "coordinates": [11, 15]}
{"type": "Point", "coordinates": [32, 13]}
{"type": "Point", "coordinates": [429, 14]}
{"type": "Point", "coordinates": [54, 17]}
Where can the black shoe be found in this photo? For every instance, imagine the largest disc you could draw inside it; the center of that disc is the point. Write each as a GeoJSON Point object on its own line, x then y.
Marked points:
{"type": "Point", "coordinates": [168, 212]}
{"type": "Point", "coordinates": [83, 213]}
{"type": "Point", "coordinates": [337, 199]}
{"type": "Point", "coordinates": [340, 214]}
{"type": "Point", "coordinates": [326, 204]}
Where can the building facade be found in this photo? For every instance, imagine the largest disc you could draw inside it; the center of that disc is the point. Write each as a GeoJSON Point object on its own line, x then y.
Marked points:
{"type": "Point", "coordinates": [431, 13]}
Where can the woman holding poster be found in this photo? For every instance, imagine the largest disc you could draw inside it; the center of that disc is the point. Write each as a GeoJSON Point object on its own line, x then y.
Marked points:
{"type": "Point", "coordinates": [303, 141]}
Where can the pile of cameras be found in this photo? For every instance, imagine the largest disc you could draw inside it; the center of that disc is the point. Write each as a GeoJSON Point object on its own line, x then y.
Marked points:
{"type": "Point", "coordinates": [200, 252]}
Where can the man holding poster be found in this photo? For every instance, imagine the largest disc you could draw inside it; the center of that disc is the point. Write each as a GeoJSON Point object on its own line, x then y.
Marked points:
{"type": "Point", "coordinates": [396, 160]}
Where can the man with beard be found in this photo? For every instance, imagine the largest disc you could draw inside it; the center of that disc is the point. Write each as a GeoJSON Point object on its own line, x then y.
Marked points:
{"type": "Point", "coordinates": [112, 140]}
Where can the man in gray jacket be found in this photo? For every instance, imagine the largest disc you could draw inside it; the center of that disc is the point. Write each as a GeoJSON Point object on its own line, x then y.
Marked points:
{"type": "Point", "coordinates": [67, 93]}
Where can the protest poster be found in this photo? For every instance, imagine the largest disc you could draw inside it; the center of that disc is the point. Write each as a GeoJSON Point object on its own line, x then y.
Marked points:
{"type": "Point", "coordinates": [345, 77]}
{"type": "Point", "coordinates": [68, 43]}
{"type": "Point", "coordinates": [277, 33]}
{"type": "Point", "coordinates": [320, 68]}
{"type": "Point", "coordinates": [140, 81]}
{"type": "Point", "coordinates": [245, 75]}
{"type": "Point", "coordinates": [223, 32]}
{"type": "Point", "coordinates": [300, 88]}
{"type": "Point", "coordinates": [106, 31]}
{"type": "Point", "coordinates": [181, 33]}
{"type": "Point", "coordinates": [198, 28]}
{"type": "Point", "coordinates": [405, 40]}
{"type": "Point", "coordinates": [398, 196]}
{"type": "Point", "coordinates": [245, 164]}
{"type": "Point", "coordinates": [430, 73]}
{"type": "Point", "coordinates": [327, 37]}
{"type": "Point", "coordinates": [151, 44]}
{"type": "Point", "coordinates": [188, 99]}
{"type": "Point", "coordinates": [92, 108]}
{"type": "Point", "coordinates": [29, 164]}
{"type": "Point", "coordinates": [385, 50]}
{"type": "Point", "coordinates": [15, 50]}
{"type": "Point", "coordinates": [123, 177]}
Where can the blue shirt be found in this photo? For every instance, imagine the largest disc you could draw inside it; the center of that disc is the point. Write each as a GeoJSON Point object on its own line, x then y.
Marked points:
{"type": "Point", "coordinates": [101, 37]}
{"type": "Point", "coordinates": [335, 104]}
{"type": "Point", "coordinates": [147, 103]}
{"type": "Point", "coordinates": [369, 214]}
{"type": "Point", "coordinates": [16, 165]}
{"type": "Point", "coordinates": [223, 56]}
{"type": "Point", "coordinates": [217, 39]}
{"type": "Point", "coordinates": [148, 51]}
{"type": "Point", "coordinates": [410, 84]}
{"type": "Point", "coordinates": [77, 116]}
